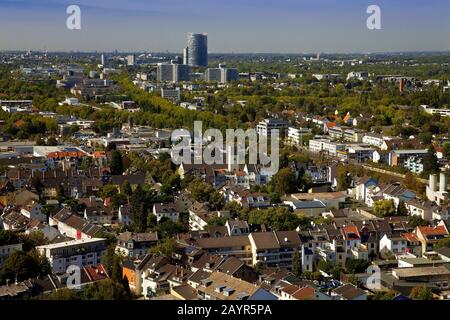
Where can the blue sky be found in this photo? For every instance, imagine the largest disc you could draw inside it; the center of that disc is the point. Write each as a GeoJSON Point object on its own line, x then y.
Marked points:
{"type": "Point", "coordinates": [293, 26]}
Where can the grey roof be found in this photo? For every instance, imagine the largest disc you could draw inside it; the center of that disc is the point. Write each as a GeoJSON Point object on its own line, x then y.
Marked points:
{"type": "Point", "coordinates": [308, 204]}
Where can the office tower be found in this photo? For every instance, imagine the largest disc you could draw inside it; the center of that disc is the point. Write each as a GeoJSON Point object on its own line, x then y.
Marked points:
{"type": "Point", "coordinates": [173, 73]}
{"type": "Point", "coordinates": [186, 55]}
{"type": "Point", "coordinates": [182, 73]}
{"type": "Point", "coordinates": [198, 50]}
{"type": "Point", "coordinates": [164, 73]}
{"type": "Point", "coordinates": [213, 75]}
{"type": "Point", "coordinates": [104, 60]}
{"type": "Point", "coordinates": [131, 60]}
{"type": "Point", "coordinates": [221, 74]}
{"type": "Point", "coordinates": [230, 75]}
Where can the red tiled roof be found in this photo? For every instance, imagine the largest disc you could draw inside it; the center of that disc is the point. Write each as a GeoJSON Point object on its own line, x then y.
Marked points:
{"type": "Point", "coordinates": [96, 273]}
{"type": "Point", "coordinates": [62, 154]}
{"type": "Point", "coordinates": [351, 232]}
{"type": "Point", "coordinates": [439, 230]}
{"type": "Point", "coordinates": [410, 237]}
{"type": "Point", "coordinates": [304, 293]}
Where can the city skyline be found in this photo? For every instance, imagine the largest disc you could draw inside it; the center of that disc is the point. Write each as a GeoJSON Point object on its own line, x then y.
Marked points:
{"type": "Point", "coordinates": [285, 26]}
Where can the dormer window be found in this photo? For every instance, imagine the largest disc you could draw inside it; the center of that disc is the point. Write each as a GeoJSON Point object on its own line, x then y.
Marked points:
{"type": "Point", "coordinates": [220, 288]}
{"type": "Point", "coordinates": [228, 291]}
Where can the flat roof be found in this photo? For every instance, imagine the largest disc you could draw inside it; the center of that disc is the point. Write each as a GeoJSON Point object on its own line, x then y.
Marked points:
{"type": "Point", "coordinates": [70, 243]}
{"type": "Point", "coordinates": [421, 271]}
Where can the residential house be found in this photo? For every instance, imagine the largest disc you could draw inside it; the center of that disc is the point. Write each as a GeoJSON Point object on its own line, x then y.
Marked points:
{"type": "Point", "coordinates": [220, 286]}
{"type": "Point", "coordinates": [166, 210]}
{"type": "Point", "coordinates": [348, 292]}
{"type": "Point", "coordinates": [428, 236]}
{"type": "Point", "coordinates": [135, 245]}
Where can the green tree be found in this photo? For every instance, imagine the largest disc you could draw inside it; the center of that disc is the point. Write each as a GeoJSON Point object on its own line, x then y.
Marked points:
{"type": "Point", "coordinates": [401, 209]}
{"type": "Point", "coordinates": [109, 258]}
{"type": "Point", "coordinates": [421, 293]}
{"type": "Point", "coordinates": [430, 162]}
{"type": "Point", "coordinates": [165, 247]}
{"type": "Point", "coordinates": [446, 150]}
{"type": "Point", "coordinates": [384, 208]}
{"type": "Point", "coordinates": [37, 185]}
{"type": "Point", "coordinates": [126, 189]}
{"type": "Point", "coordinates": [138, 210]}
{"type": "Point", "coordinates": [417, 221]}
{"type": "Point", "coordinates": [116, 164]}
{"type": "Point", "coordinates": [296, 263]}
{"type": "Point", "coordinates": [325, 265]}
{"type": "Point", "coordinates": [108, 191]}
{"type": "Point", "coordinates": [443, 243]}
{"type": "Point", "coordinates": [86, 164]}
{"type": "Point", "coordinates": [52, 141]}
{"type": "Point", "coordinates": [20, 265]}
{"type": "Point", "coordinates": [105, 290]}
{"type": "Point", "coordinates": [216, 221]}
{"type": "Point", "coordinates": [275, 197]}
{"type": "Point", "coordinates": [389, 295]}
{"type": "Point", "coordinates": [284, 182]}
{"type": "Point", "coordinates": [356, 266]}
{"type": "Point", "coordinates": [343, 178]}
{"type": "Point", "coordinates": [62, 294]}
{"type": "Point", "coordinates": [8, 237]}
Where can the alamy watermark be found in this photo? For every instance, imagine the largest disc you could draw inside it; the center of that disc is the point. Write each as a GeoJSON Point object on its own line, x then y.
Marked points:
{"type": "Point", "coordinates": [374, 20]}
{"type": "Point", "coordinates": [74, 279]}
{"type": "Point", "coordinates": [373, 282]}
{"type": "Point", "coordinates": [73, 22]}
{"type": "Point", "coordinates": [232, 151]}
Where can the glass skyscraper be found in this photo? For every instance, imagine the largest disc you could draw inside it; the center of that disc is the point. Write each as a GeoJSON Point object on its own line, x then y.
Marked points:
{"type": "Point", "coordinates": [198, 49]}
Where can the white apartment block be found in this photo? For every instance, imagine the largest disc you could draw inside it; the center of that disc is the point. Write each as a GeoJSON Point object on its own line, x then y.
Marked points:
{"type": "Point", "coordinates": [325, 145]}
{"type": "Point", "coordinates": [295, 135]}
{"type": "Point", "coordinates": [441, 112]}
{"type": "Point", "coordinates": [265, 127]}
{"type": "Point", "coordinates": [375, 141]}
{"type": "Point", "coordinates": [81, 253]}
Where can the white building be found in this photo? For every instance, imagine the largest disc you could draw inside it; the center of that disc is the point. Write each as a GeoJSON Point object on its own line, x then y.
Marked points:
{"type": "Point", "coordinates": [70, 102]}
{"type": "Point", "coordinates": [361, 76]}
{"type": "Point", "coordinates": [266, 126]}
{"type": "Point", "coordinates": [164, 210]}
{"type": "Point", "coordinates": [325, 145]}
{"type": "Point", "coordinates": [81, 253]}
{"type": "Point", "coordinates": [375, 141]}
{"type": "Point", "coordinates": [296, 135]}
{"type": "Point", "coordinates": [441, 112]}
{"type": "Point", "coordinates": [433, 193]}
{"type": "Point", "coordinates": [173, 94]}
{"type": "Point", "coordinates": [395, 244]}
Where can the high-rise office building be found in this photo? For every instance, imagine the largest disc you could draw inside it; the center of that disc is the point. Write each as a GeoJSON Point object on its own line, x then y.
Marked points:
{"type": "Point", "coordinates": [213, 75]}
{"type": "Point", "coordinates": [221, 74]}
{"type": "Point", "coordinates": [104, 60]}
{"type": "Point", "coordinates": [173, 72]}
{"type": "Point", "coordinates": [186, 55]}
{"type": "Point", "coordinates": [131, 60]}
{"type": "Point", "coordinates": [198, 49]}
